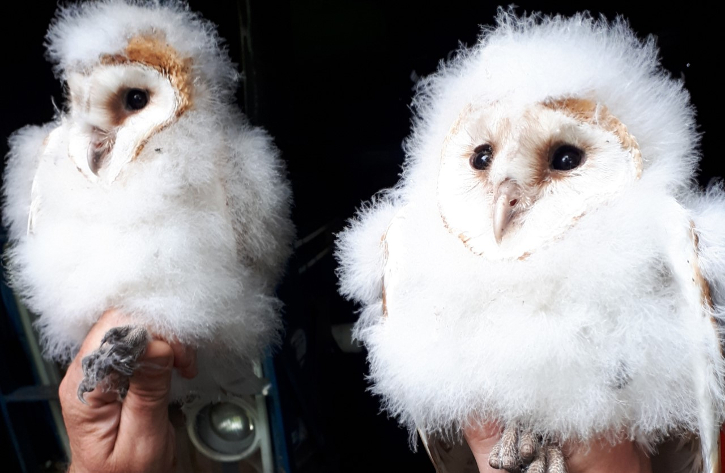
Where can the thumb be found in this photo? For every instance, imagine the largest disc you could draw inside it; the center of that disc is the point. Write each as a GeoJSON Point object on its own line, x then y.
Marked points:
{"type": "Point", "coordinates": [145, 434]}
{"type": "Point", "coordinates": [147, 401]}
{"type": "Point", "coordinates": [481, 439]}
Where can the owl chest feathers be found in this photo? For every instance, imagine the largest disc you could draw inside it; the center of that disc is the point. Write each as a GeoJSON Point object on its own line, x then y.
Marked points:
{"type": "Point", "coordinates": [598, 331]}
{"type": "Point", "coordinates": [163, 227]}
{"type": "Point", "coordinates": [159, 187]}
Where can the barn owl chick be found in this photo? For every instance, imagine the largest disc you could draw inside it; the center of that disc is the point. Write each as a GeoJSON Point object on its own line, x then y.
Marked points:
{"type": "Point", "coordinates": [150, 194]}
{"type": "Point", "coordinates": [546, 261]}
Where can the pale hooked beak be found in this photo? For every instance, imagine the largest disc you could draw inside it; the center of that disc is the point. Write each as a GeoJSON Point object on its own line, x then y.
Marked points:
{"type": "Point", "coordinates": [504, 201]}
{"type": "Point", "coordinates": [99, 147]}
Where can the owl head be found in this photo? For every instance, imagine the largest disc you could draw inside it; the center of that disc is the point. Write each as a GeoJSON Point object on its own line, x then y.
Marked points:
{"type": "Point", "coordinates": [535, 127]}
{"type": "Point", "coordinates": [131, 70]}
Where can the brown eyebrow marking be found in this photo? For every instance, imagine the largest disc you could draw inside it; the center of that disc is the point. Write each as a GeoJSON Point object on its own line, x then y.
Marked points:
{"type": "Point", "coordinates": [588, 111]}
{"type": "Point", "coordinates": [115, 106]}
{"type": "Point", "coordinates": [152, 50]}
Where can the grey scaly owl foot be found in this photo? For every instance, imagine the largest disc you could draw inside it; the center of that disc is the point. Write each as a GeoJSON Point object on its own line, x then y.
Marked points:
{"type": "Point", "coordinates": [114, 361]}
{"type": "Point", "coordinates": [520, 450]}
{"type": "Point", "coordinates": [549, 459]}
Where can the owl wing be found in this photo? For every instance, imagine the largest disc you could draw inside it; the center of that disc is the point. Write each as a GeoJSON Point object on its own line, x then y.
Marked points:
{"type": "Point", "coordinates": [258, 198]}
{"type": "Point", "coordinates": [362, 255]}
{"type": "Point", "coordinates": [447, 456]}
{"type": "Point", "coordinates": [697, 258]}
{"type": "Point", "coordinates": [394, 246]}
{"type": "Point", "coordinates": [21, 202]}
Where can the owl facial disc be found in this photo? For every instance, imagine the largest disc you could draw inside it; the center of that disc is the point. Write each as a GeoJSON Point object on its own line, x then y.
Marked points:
{"type": "Point", "coordinates": [122, 102]}
{"type": "Point", "coordinates": [515, 177]}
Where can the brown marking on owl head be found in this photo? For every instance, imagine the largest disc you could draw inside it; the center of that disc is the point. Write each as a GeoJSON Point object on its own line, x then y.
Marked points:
{"type": "Point", "coordinates": [152, 50]}
{"type": "Point", "coordinates": [540, 167]}
{"type": "Point", "coordinates": [589, 111]}
{"type": "Point", "coordinates": [115, 104]}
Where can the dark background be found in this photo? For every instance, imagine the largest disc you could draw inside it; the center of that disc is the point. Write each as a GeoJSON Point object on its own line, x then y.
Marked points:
{"type": "Point", "coordinates": [332, 82]}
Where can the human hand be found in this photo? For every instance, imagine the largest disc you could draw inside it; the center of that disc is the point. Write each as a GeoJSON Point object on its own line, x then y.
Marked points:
{"type": "Point", "coordinates": [598, 457]}
{"type": "Point", "coordinates": [133, 436]}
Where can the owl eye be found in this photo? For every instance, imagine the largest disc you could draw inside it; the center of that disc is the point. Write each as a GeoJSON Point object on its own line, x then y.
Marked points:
{"type": "Point", "coordinates": [481, 157]}
{"type": "Point", "coordinates": [566, 158]}
{"type": "Point", "coordinates": [136, 99]}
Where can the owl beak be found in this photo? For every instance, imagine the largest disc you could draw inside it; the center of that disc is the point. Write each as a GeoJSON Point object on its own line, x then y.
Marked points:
{"type": "Point", "coordinates": [504, 203]}
{"type": "Point", "coordinates": [98, 149]}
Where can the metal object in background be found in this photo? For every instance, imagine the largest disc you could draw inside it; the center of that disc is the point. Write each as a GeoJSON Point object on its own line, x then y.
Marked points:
{"type": "Point", "coordinates": [229, 430]}
{"type": "Point", "coordinates": [241, 433]}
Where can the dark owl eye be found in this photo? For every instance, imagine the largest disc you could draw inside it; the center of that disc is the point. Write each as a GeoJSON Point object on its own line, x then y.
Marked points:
{"type": "Point", "coordinates": [481, 157]}
{"type": "Point", "coordinates": [566, 157]}
{"type": "Point", "coordinates": [136, 99]}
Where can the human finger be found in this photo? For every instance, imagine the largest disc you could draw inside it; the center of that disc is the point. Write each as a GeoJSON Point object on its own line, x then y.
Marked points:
{"type": "Point", "coordinates": [144, 430]}
{"type": "Point", "coordinates": [482, 439]}
{"type": "Point", "coordinates": [602, 457]}
{"type": "Point", "coordinates": [184, 359]}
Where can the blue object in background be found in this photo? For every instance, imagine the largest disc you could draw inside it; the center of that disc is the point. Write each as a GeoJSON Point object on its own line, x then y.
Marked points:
{"type": "Point", "coordinates": [31, 429]}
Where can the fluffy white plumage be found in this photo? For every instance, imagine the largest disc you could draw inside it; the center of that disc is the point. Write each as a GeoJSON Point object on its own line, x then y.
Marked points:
{"type": "Point", "coordinates": [177, 214]}
{"type": "Point", "coordinates": [591, 318]}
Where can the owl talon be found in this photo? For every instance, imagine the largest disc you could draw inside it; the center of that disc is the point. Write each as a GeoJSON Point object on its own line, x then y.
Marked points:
{"type": "Point", "coordinates": [555, 460]}
{"type": "Point", "coordinates": [527, 446]}
{"type": "Point", "coordinates": [114, 361]}
{"type": "Point", "coordinates": [494, 458]}
{"type": "Point", "coordinates": [521, 451]}
{"type": "Point", "coordinates": [509, 449]}
{"type": "Point", "coordinates": [539, 464]}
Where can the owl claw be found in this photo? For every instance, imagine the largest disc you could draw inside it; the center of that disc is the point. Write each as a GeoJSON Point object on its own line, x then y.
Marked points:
{"type": "Point", "coordinates": [527, 446]}
{"type": "Point", "coordinates": [539, 464]}
{"type": "Point", "coordinates": [494, 458]}
{"type": "Point", "coordinates": [521, 451]}
{"type": "Point", "coordinates": [555, 460]}
{"type": "Point", "coordinates": [113, 363]}
{"type": "Point", "coordinates": [510, 459]}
